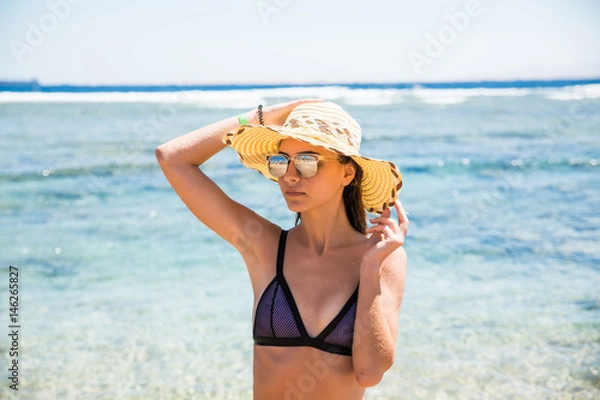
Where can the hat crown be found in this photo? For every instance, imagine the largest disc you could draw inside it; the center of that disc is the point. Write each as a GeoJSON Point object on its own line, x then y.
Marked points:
{"type": "Point", "coordinates": [328, 122]}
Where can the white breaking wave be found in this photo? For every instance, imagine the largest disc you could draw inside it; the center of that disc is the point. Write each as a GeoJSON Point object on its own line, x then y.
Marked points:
{"type": "Point", "coordinates": [248, 98]}
{"type": "Point", "coordinates": [455, 96]}
{"type": "Point", "coordinates": [578, 92]}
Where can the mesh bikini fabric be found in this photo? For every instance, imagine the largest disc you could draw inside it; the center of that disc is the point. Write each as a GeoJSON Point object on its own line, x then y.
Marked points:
{"type": "Point", "coordinates": [278, 321]}
{"type": "Point", "coordinates": [343, 333]}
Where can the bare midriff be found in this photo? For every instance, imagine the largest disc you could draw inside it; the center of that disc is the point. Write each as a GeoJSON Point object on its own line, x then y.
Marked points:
{"type": "Point", "coordinates": [296, 373]}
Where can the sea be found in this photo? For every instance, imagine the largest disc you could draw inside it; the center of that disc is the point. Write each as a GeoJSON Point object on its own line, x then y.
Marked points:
{"type": "Point", "coordinates": [122, 294]}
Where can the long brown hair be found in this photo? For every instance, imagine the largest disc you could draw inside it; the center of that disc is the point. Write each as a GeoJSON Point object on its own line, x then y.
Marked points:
{"type": "Point", "coordinates": [352, 196]}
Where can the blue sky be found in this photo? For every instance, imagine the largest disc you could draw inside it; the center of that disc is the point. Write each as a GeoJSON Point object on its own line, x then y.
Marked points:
{"type": "Point", "coordinates": [298, 41]}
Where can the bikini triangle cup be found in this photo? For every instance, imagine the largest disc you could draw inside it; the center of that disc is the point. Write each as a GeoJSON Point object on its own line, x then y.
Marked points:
{"type": "Point", "coordinates": [277, 321]}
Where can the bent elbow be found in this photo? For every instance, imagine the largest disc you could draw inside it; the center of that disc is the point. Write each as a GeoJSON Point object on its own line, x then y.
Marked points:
{"type": "Point", "coordinates": [369, 376]}
{"type": "Point", "coordinates": [367, 379]}
{"type": "Point", "coordinates": [161, 155]}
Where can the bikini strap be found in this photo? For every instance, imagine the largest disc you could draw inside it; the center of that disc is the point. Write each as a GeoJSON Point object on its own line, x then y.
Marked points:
{"type": "Point", "coordinates": [281, 252]}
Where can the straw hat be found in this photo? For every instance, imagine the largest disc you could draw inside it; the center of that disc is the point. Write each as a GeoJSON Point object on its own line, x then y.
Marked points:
{"type": "Point", "coordinates": [325, 125]}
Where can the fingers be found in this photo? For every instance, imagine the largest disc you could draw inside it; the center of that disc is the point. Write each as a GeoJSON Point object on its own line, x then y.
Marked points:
{"type": "Point", "coordinates": [385, 230]}
{"type": "Point", "coordinates": [385, 216]}
{"type": "Point", "coordinates": [385, 221]}
{"type": "Point", "coordinates": [309, 101]}
{"type": "Point", "coordinates": [276, 114]}
{"type": "Point", "coordinates": [387, 234]}
{"type": "Point", "coordinates": [382, 222]}
{"type": "Point", "coordinates": [290, 105]}
{"type": "Point", "coordinates": [402, 215]}
{"type": "Point", "coordinates": [295, 103]}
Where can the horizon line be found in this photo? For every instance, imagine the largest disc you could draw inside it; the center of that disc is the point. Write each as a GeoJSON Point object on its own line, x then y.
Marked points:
{"type": "Point", "coordinates": [35, 85]}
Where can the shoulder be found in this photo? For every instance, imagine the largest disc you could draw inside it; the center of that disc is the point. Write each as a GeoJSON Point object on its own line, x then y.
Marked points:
{"type": "Point", "coordinates": [258, 247]}
{"type": "Point", "coordinates": [258, 239]}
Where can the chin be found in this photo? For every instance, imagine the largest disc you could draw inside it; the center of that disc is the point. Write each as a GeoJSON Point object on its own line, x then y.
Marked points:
{"type": "Point", "coordinates": [295, 206]}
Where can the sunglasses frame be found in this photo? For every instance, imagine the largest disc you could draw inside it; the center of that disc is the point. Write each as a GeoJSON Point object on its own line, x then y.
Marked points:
{"type": "Point", "coordinates": [317, 157]}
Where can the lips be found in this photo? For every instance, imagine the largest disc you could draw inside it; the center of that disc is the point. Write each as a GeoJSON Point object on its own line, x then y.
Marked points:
{"type": "Point", "coordinates": [293, 193]}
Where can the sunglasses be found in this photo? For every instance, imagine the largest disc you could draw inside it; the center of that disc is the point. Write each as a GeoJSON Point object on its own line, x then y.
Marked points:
{"type": "Point", "coordinates": [306, 164]}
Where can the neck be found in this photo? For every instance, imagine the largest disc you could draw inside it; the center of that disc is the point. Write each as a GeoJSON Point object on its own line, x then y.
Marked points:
{"type": "Point", "coordinates": [323, 229]}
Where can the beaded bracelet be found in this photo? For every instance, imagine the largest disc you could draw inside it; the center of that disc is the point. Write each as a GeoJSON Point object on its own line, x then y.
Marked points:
{"type": "Point", "coordinates": [260, 115]}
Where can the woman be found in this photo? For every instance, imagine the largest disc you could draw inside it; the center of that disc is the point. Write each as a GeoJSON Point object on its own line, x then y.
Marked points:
{"type": "Point", "coordinates": [327, 293]}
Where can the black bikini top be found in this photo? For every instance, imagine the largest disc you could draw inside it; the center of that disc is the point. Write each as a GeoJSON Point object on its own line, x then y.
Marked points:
{"type": "Point", "coordinates": [277, 321]}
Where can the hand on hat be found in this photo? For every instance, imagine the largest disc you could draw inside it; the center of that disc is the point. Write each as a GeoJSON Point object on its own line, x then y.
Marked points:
{"type": "Point", "coordinates": [387, 235]}
{"type": "Point", "coordinates": [278, 113]}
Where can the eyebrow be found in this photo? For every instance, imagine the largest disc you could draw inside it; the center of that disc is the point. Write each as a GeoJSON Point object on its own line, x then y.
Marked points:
{"type": "Point", "coordinates": [302, 152]}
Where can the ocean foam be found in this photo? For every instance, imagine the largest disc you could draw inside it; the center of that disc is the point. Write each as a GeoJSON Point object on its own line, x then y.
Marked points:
{"type": "Point", "coordinates": [578, 92]}
{"type": "Point", "coordinates": [248, 98]}
{"type": "Point", "coordinates": [456, 96]}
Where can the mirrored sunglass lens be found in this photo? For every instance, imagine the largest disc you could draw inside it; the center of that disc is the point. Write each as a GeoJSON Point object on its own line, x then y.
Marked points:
{"type": "Point", "coordinates": [278, 166]}
{"type": "Point", "coordinates": [306, 165]}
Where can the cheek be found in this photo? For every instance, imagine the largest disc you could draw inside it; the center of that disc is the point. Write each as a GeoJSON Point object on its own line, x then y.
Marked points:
{"type": "Point", "coordinates": [330, 181]}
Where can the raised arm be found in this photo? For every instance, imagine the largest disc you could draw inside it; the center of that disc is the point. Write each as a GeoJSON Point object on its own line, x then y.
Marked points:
{"type": "Point", "coordinates": [382, 275]}
{"type": "Point", "coordinates": [180, 159]}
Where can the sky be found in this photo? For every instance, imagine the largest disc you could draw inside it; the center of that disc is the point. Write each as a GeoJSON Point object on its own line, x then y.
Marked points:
{"type": "Point", "coordinates": [102, 42]}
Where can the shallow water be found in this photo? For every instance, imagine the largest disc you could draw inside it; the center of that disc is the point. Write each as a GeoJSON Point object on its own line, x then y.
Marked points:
{"type": "Point", "coordinates": [125, 295]}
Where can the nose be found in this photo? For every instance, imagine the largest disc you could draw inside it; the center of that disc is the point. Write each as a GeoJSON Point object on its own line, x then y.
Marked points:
{"type": "Point", "coordinates": [291, 175]}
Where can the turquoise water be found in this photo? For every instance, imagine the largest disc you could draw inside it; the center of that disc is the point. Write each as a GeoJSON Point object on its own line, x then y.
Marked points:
{"type": "Point", "coordinates": [125, 295]}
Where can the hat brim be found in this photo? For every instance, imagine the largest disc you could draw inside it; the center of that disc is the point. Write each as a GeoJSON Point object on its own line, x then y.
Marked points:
{"type": "Point", "coordinates": [381, 181]}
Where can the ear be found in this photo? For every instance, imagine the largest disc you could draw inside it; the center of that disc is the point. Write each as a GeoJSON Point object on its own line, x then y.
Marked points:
{"type": "Point", "coordinates": [349, 173]}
